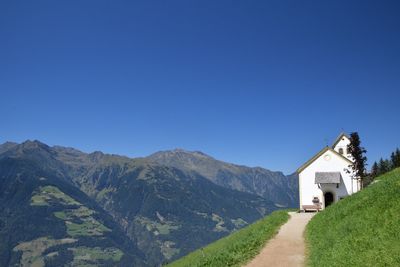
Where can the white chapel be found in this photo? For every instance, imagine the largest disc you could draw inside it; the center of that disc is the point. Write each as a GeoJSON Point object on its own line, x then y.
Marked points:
{"type": "Point", "coordinates": [325, 178]}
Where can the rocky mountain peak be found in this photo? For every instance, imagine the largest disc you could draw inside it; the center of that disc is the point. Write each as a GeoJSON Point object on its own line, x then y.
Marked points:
{"type": "Point", "coordinates": [178, 153]}
{"type": "Point", "coordinates": [34, 144]}
{"type": "Point", "coordinates": [6, 146]}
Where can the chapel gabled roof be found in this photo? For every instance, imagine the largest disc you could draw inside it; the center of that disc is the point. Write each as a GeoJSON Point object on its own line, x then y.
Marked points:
{"type": "Point", "coordinates": [327, 148]}
{"type": "Point", "coordinates": [340, 138]}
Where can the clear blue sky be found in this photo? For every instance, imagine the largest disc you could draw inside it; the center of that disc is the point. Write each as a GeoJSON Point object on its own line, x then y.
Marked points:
{"type": "Point", "coordinates": [261, 83]}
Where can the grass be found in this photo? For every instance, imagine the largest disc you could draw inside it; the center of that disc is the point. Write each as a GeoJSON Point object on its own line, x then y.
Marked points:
{"type": "Point", "coordinates": [84, 256]}
{"type": "Point", "coordinates": [48, 194]}
{"type": "Point", "coordinates": [61, 215]}
{"type": "Point", "coordinates": [360, 230]}
{"type": "Point", "coordinates": [219, 227]}
{"type": "Point", "coordinates": [237, 248]}
{"type": "Point", "coordinates": [239, 223]}
{"type": "Point", "coordinates": [32, 250]}
{"type": "Point", "coordinates": [89, 227]}
{"type": "Point", "coordinates": [157, 228]}
{"type": "Point", "coordinates": [103, 193]}
{"type": "Point", "coordinates": [167, 249]}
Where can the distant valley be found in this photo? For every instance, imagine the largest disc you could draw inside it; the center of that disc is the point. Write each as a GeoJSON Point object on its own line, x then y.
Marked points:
{"type": "Point", "coordinates": [60, 206]}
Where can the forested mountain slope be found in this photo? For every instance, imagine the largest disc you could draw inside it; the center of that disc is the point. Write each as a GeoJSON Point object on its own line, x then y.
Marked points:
{"type": "Point", "coordinates": [110, 209]}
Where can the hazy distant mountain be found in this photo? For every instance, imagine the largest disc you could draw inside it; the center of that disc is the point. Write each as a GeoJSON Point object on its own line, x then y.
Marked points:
{"type": "Point", "coordinates": [45, 220]}
{"type": "Point", "coordinates": [6, 146]}
{"type": "Point", "coordinates": [274, 186]}
{"type": "Point", "coordinates": [141, 211]}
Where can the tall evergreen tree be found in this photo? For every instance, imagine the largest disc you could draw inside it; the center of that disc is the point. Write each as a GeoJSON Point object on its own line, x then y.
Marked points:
{"type": "Point", "coordinates": [384, 166]}
{"type": "Point", "coordinates": [393, 160]}
{"type": "Point", "coordinates": [358, 154]}
{"type": "Point", "coordinates": [375, 170]}
{"type": "Point", "coordinates": [396, 159]}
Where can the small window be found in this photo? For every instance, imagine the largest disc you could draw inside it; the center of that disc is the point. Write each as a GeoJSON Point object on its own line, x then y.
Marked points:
{"type": "Point", "coordinates": [341, 151]}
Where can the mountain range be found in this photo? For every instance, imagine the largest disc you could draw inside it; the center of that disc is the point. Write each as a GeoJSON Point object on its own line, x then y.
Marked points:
{"type": "Point", "coordinates": [60, 206]}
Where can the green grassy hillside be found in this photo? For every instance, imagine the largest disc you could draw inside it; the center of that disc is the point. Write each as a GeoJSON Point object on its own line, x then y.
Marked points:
{"type": "Point", "coordinates": [238, 247]}
{"type": "Point", "coordinates": [361, 230]}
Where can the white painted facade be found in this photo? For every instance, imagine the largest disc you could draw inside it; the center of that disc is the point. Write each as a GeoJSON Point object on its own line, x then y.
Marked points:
{"type": "Point", "coordinates": [341, 144]}
{"type": "Point", "coordinates": [328, 160]}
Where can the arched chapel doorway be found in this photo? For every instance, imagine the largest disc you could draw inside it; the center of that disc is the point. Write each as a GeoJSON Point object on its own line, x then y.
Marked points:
{"type": "Point", "coordinates": [328, 198]}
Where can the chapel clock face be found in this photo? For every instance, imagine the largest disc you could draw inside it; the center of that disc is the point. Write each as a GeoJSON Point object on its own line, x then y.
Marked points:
{"type": "Point", "coordinates": [327, 157]}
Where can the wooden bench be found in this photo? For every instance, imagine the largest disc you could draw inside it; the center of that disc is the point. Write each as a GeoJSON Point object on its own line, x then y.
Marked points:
{"type": "Point", "coordinates": [315, 207]}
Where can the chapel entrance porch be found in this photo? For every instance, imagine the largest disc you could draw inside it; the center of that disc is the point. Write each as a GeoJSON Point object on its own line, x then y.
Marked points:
{"type": "Point", "coordinates": [328, 198]}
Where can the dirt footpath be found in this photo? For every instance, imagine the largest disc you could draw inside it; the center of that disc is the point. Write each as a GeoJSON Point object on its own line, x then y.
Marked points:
{"type": "Point", "coordinates": [287, 248]}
